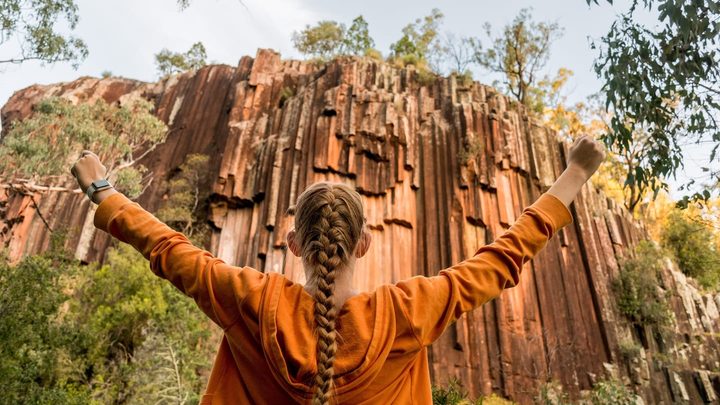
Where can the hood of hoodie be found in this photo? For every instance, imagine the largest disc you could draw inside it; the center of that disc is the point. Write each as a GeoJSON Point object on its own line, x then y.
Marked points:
{"type": "Point", "coordinates": [289, 340]}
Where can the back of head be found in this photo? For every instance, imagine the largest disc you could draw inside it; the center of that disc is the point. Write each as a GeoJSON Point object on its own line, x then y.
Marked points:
{"type": "Point", "coordinates": [329, 222]}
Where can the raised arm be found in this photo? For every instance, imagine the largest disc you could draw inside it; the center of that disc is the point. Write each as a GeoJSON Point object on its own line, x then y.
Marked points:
{"type": "Point", "coordinates": [430, 304]}
{"type": "Point", "coordinates": [217, 287]}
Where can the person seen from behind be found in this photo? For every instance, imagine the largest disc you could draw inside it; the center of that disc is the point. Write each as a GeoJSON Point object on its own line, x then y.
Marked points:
{"type": "Point", "coordinates": [324, 342]}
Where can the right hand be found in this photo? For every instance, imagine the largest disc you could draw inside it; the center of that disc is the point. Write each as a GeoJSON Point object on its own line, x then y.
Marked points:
{"type": "Point", "coordinates": [87, 169]}
{"type": "Point", "coordinates": [586, 155]}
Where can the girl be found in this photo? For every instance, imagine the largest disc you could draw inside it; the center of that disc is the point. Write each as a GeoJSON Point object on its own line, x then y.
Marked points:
{"type": "Point", "coordinates": [323, 342]}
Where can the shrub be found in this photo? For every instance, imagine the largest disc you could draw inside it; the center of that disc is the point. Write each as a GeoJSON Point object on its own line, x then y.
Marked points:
{"type": "Point", "coordinates": [636, 288]}
{"type": "Point", "coordinates": [695, 247]}
{"type": "Point", "coordinates": [629, 350]}
{"type": "Point", "coordinates": [552, 393]}
{"type": "Point", "coordinates": [286, 93]}
{"type": "Point", "coordinates": [472, 150]}
{"type": "Point", "coordinates": [464, 79]}
{"type": "Point", "coordinates": [611, 392]}
{"type": "Point", "coordinates": [33, 341]}
{"type": "Point", "coordinates": [453, 394]}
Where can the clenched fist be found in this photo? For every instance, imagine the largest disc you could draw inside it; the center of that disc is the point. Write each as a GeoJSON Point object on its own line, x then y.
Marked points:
{"type": "Point", "coordinates": [586, 155]}
{"type": "Point", "coordinates": [88, 169]}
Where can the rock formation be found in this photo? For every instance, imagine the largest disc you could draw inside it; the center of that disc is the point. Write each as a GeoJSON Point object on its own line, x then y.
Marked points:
{"type": "Point", "coordinates": [444, 167]}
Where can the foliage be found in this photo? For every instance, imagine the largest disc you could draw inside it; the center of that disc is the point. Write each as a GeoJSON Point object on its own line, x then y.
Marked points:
{"type": "Point", "coordinates": [464, 79]}
{"type": "Point", "coordinates": [519, 53]}
{"type": "Point", "coordinates": [636, 288]}
{"type": "Point", "coordinates": [694, 245]}
{"type": "Point", "coordinates": [33, 24]}
{"type": "Point", "coordinates": [357, 38]}
{"type": "Point", "coordinates": [493, 399]}
{"type": "Point", "coordinates": [186, 198]}
{"type": "Point", "coordinates": [322, 41]}
{"type": "Point", "coordinates": [629, 350]}
{"type": "Point", "coordinates": [588, 118]}
{"type": "Point", "coordinates": [33, 344]}
{"type": "Point", "coordinates": [141, 335]}
{"type": "Point", "coordinates": [663, 81]}
{"type": "Point", "coordinates": [169, 63]}
{"type": "Point", "coordinates": [453, 394]}
{"type": "Point", "coordinates": [286, 93]}
{"type": "Point", "coordinates": [611, 392]}
{"type": "Point", "coordinates": [45, 144]}
{"type": "Point", "coordinates": [109, 334]}
{"type": "Point", "coordinates": [459, 53]}
{"type": "Point", "coordinates": [472, 150]}
{"type": "Point", "coordinates": [419, 44]}
{"type": "Point", "coordinates": [552, 393]}
{"type": "Point", "coordinates": [328, 39]}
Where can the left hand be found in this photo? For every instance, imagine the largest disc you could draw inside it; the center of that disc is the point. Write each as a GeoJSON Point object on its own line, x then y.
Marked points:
{"type": "Point", "coordinates": [87, 169]}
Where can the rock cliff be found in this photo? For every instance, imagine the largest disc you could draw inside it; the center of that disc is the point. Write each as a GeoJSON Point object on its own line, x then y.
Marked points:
{"type": "Point", "coordinates": [444, 167]}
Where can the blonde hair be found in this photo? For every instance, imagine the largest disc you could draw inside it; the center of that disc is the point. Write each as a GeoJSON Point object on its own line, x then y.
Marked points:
{"type": "Point", "coordinates": [328, 224]}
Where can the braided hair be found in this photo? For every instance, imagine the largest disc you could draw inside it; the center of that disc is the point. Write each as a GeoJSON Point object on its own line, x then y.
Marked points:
{"type": "Point", "coordinates": [329, 222]}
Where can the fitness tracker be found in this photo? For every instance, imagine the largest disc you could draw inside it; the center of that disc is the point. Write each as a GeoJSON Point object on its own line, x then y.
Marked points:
{"type": "Point", "coordinates": [96, 186]}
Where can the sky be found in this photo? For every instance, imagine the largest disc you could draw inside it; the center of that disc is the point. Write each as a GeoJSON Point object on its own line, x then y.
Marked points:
{"type": "Point", "coordinates": [123, 36]}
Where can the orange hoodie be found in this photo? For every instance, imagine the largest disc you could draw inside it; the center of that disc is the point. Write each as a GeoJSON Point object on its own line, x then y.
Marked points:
{"type": "Point", "coordinates": [267, 354]}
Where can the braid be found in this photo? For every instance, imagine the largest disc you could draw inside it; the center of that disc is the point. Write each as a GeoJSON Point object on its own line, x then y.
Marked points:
{"type": "Point", "coordinates": [330, 219]}
{"type": "Point", "coordinates": [328, 259]}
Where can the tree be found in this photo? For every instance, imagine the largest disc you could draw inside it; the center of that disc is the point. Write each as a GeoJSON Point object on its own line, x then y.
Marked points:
{"type": "Point", "coordinates": [33, 340]}
{"type": "Point", "coordinates": [694, 244]}
{"type": "Point", "coordinates": [111, 334]}
{"type": "Point", "coordinates": [590, 118]}
{"type": "Point", "coordinates": [328, 39]}
{"type": "Point", "coordinates": [357, 38]}
{"type": "Point", "coordinates": [459, 53]}
{"type": "Point", "coordinates": [419, 43]}
{"type": "Point", "coordinates": [519, 53]}
{"type": "Point", "coordinates": [636, 293]}
{"type": "Point", "coordinates": [323, 41]}
{"type": "Point", "coordinates": [42, 147]}
{"type": "Point", "coordinates": [33, 24]}
{"type": "Point", "coordinates": [664, 82]}
{"type": "Point", "coordinates": [187, 193]}
{"type": "Point", "coordinates": [140, 340]}
{"type": "Point", "coordinates": [169, 63]}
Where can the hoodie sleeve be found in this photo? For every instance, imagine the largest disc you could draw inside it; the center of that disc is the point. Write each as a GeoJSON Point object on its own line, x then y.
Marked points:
{"type": "Point", "coordinates": [433, 303]}
{"type": "Point", "coordinates": [216, 287]}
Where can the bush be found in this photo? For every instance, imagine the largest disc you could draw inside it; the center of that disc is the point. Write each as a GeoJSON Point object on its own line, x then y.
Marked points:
{"type": "Point", "coordinates": [33, 342]}
{"type": "Point", "coordinates": [629, 350]}
{"type": "Point", "coordinates": [116, 333]}
{"type": "Point", "coordinates": [472, 150]}
{"type": "Point", "coordinates": [552, 393]}
{"type": "Point", "coordinates": [611, 392]}
{"type": "Point", "coordinates": [454, 394]}
{"type": "Point", "coordinates": [636, 288]}
{"type": "Point", "coordinates": [464, 79]}
{"type": "Point", "coordinates": [695, 247]}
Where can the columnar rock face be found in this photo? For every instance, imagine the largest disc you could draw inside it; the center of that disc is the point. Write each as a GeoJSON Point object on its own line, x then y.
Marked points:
{"type": "Point", "coordinates": [444, 167]}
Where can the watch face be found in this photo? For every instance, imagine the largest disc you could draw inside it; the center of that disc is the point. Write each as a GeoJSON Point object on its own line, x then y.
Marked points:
{"type": "Point", "coordinates": [100, 183]}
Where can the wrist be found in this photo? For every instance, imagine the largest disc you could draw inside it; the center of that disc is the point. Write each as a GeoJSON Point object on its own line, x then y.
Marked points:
{"type": "Point", "coordinates": [101, 195]}
{"type": "Point", "coordinates": [575, 170]}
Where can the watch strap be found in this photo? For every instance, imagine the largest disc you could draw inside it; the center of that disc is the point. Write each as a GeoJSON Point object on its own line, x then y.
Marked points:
{"type": "Point", "coordinates": [96, 186]}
